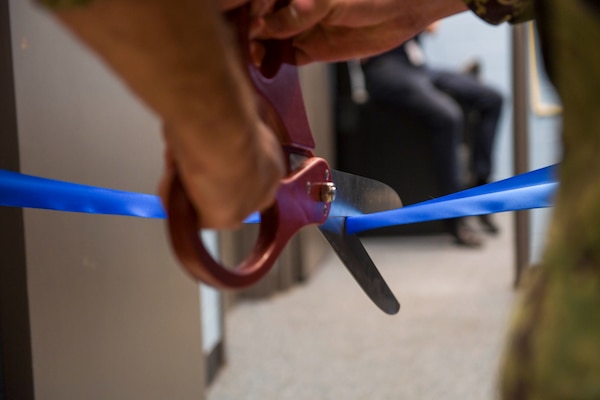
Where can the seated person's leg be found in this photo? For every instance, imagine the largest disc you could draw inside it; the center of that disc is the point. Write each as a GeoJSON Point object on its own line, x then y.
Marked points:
{"type": "Point", "coordinates": [487, 102]}
{"type": "Point", "coordinates": [410, 91]}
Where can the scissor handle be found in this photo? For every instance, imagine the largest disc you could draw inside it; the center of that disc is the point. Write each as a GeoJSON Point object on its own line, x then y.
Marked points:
{"type": "Point", "coordinates": [302, 196]}
{"type": "Point", "coordinates": [277, 82]}
{"type": "Point", "coordinates": [299, 202]}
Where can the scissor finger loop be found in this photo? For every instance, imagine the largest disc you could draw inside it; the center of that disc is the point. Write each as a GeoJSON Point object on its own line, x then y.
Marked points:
{"type": "Point", "coordinates": [304, 196]}
{"type": "Point", "coordinates": [295, 207]}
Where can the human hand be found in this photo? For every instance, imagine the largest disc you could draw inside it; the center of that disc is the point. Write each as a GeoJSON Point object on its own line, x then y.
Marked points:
{"type": "Point", "coordinates": [225, 180]}
{"type": "Point", "coordinates": [181, 60]}
{"type": "Point", "coordinates": [334, 30]}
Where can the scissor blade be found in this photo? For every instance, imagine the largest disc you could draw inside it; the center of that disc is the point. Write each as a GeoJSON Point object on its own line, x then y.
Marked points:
{"type": "Point", "coordinates": [358, 262]}
{"type": "Point", "coordinates": [357, 195]}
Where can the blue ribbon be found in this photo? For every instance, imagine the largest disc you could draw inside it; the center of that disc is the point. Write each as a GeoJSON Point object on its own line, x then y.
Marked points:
{"type": "Point", "coordinates": [531, 190]}
{"type": "Point", "coordinates": [18, 190]}
{"type": "Point", "coordinates": [526, 191]}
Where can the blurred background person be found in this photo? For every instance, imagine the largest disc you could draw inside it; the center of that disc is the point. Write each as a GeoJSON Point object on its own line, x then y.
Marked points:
{"type": "Point", "coordinates": [443, 102]}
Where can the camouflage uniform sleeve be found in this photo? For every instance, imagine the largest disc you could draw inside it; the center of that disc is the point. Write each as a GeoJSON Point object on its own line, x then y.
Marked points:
{"type": "Point", "coordinates": [498, 11]}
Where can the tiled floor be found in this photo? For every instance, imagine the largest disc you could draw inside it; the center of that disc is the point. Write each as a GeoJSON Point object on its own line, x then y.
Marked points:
{"type": "Point", "coordinates": [325, 341]}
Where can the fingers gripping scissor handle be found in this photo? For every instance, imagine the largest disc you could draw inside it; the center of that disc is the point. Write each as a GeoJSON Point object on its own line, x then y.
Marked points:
{"type": "Point", "coordinates": [302, 197]}
{"type": "Point", "coordinates": [299, 196]}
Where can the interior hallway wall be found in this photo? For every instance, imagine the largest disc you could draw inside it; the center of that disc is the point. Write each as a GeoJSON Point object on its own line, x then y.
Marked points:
{"type": "Point", "coordinates": [112, 316]}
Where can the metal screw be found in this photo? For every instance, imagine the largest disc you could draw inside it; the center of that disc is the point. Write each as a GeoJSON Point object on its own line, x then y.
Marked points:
{"type": "Point", "coordinates": [326, 174]}
{"type": "Point", "coordinates": [328, 191]}
{"type": "Point", "coordinates": [308, 187]}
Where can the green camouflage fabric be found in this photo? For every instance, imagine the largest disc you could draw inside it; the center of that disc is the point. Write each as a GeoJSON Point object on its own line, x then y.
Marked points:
{"type": "Point", "coordinates": [553, 349]}
{"type": "Point", "coordinates": [498, 11]}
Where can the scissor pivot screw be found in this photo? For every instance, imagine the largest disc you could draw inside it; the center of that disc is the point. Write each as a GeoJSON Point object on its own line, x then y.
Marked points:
{"type": "Point", "coordinates": [328, 191]}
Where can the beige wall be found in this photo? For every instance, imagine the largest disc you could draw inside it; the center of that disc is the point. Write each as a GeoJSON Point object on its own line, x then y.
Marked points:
{"type": "Point", "coordinates": [316, 89]}
{"type": "Point", "coordinates": [112, 316]}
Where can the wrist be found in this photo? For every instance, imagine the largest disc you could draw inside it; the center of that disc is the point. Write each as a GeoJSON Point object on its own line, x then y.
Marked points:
{"type": "Point", "coordinates": [177, 56]}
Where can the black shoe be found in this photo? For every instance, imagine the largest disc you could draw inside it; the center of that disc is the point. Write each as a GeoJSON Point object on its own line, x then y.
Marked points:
{"type": "Point", "coordinates": [488, 224]}
{"type": "Point", "coordinates": [464, 235]}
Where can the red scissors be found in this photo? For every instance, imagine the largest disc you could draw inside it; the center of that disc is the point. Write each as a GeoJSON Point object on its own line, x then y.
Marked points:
{"type": "Point", "coordinates": [311, 193]}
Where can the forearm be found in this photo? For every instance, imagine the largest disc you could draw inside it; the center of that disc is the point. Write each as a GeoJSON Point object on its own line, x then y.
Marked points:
{"type": "Point", "coordinates": [172, 54]}
{"type": "Point", "coordinates": [436, 10]}
{"type": "Point", "coordinates": [336, 30]}
{"type": "Point", "coordinates": [428, 12]}
{"type": "Point", "coordinates": [359, 13]}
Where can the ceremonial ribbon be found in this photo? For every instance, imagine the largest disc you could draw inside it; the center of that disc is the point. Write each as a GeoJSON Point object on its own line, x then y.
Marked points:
{"type": "Point", "coordinates": [530, 190]}
{"type": "Point", "coordinates": [18, 190]}
{"type": "Point", "coordinates": [521, 192]}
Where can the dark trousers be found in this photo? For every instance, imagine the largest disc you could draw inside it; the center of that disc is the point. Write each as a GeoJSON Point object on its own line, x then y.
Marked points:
{"type": "Point", "coordinates": [435, 99]}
